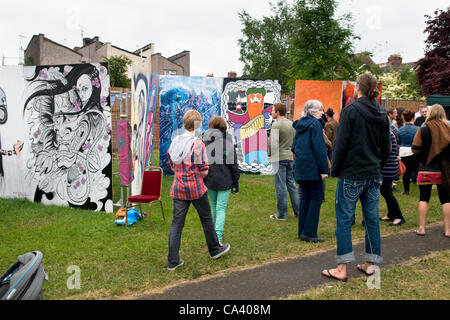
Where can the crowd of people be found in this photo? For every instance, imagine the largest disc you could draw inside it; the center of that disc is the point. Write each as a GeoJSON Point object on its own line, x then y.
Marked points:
{"type": "Point", "coordinates": [362, 150]}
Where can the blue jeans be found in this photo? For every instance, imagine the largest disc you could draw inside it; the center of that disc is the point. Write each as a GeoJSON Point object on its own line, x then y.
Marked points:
{"type": "Point", "coordinates": [310, 203]}
{"type": "Point", "coordinates": [348, 192]}
{"type": "Point", "coordinates": [284, 179]}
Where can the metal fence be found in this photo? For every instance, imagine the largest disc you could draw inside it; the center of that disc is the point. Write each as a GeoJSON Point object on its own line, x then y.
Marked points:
{"type": "Point", "coordinates": [412, 105]}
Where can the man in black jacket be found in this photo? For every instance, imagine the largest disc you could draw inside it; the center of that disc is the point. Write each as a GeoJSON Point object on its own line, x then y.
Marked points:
{"type": "Point", "coordinates": [361, 148]}
{"type": "Point", "coordinates": [423, 110]}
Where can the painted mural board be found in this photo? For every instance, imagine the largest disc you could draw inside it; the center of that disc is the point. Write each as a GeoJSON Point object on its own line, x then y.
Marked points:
{"type": "Point", "coordinates": [56, 136]}
{"type": "Point", "coordinates": [333, 94]}
{"type": "Point", "coordinates": [327, 92]}
{"type": "Point", "coordinates": [247, 107]}
{"type": "Point", "coordinates": [126, 170]}
{"type": "Point", "coordinates": [145, 95]}
{"type": "Point", "coordinates": [179, 94]}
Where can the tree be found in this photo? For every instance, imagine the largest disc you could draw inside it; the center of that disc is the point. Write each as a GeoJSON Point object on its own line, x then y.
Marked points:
{"type": "Point", "coordinates": [362, 62]}
{"type": "Point", "coordinates": [400, 84]}
{"type": "Point", "coordinates": [322, 47]}
{"type": "Point", "coordinates": [299, 41]}
{"type": "Point", "coordinates": [118, 66]}
{"type": "Point", "coordinates": [409, 75]}
{"type": "Point", "coordinates": [264, 45]}
{"type": "Point", "coordinates": [433, 70]}
{"type": "Point", "coordinates": [28, 61]}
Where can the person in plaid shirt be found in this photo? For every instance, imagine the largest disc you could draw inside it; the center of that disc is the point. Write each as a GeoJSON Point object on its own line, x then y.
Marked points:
{"type": "Point", "coordinates": [189, 161]}
{"type": "Point", "coordinates": [188, 183]}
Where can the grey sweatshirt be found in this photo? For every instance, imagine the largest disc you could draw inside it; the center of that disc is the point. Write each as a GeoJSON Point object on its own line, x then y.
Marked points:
{"type": "Point", "coordinates": [180, 147]}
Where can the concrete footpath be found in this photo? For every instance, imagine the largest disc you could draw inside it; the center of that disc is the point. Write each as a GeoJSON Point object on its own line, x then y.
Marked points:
{"type": "Point", "coordinates": [280, 279]}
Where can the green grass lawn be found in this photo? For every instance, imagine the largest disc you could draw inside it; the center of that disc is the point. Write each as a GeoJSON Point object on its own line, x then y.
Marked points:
{"type": "Point", "coordinates": [117, 261]}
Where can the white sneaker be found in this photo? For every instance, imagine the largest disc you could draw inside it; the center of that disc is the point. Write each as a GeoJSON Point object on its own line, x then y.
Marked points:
{"type": "Point", "coordinates": [275, 217]}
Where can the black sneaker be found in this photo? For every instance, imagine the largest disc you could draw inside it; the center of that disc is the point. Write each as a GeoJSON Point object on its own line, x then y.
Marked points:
{"type": "Point", "coordinates": [309, 239]}
{"type": "Point", "coordinates": [223, 250]}
{"type": "Point", "coordinates": [174, 267]}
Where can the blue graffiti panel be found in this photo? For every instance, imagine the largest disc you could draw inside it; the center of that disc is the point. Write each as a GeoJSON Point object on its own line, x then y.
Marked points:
{"type": "Point", "coordinates": [178, 95]}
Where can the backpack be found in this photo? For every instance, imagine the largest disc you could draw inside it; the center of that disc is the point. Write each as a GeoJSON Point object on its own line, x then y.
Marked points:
{"type": "Point", "coordinates": [23, 279]}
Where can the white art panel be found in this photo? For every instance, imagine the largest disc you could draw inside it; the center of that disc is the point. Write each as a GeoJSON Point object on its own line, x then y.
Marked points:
{"type": "Point", "coordinates": [56, 140]}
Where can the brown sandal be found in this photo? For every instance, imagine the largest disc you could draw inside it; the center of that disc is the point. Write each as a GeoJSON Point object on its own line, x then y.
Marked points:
{"type": "Point", "coordinates": [329, 275]}
{"type": "Point", "coordinates": [419, 233]}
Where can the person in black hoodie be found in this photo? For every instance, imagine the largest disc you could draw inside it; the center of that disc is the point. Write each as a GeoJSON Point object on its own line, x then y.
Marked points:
{"type": "Point", "coordinates": [361, 148]}
{"type": "Point", "coordinates": [223, 175]}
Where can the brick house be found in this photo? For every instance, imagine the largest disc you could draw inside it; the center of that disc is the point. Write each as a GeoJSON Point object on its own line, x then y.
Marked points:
{"type": "Point", "coordinates": [395, 62]}
{"type": "Point", "coordinates": [44, 51]}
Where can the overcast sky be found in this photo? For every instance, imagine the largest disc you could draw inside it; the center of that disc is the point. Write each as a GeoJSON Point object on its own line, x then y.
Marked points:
{"type": "Point", "coordinates": [209, 29]}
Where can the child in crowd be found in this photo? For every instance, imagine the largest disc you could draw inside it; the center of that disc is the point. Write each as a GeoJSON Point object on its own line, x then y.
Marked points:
{"type": "Point", "coordinates": [223, 174]}
{"type": "Point", "coordinates": [188, 160]}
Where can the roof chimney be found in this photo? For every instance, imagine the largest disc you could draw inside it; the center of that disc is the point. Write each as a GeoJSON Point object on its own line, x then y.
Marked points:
{"type": "Point", "coordinates": [395, 59]}
{"type": "Point", "coordinates": [232, 74]}
{"type": "Point", "coordinates": [87, 41]}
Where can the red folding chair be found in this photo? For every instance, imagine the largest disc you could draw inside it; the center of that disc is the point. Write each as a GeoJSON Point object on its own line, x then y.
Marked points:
{"type": "Point", "coordinates": [150, 191]}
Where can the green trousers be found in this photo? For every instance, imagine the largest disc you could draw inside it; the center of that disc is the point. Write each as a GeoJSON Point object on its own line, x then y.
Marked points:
{"type": "Point", "coordinates": [219, 200]}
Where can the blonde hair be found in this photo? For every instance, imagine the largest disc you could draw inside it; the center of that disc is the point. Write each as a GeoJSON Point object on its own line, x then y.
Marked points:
{"type": "Point", "coordinates": [190, 118]}
{"type": "Point", "coordinates": [436, 112]}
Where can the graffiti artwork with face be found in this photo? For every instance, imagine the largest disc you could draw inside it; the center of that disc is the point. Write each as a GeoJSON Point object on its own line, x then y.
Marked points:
{"type": "Point", "coordinates": [249, 115]}
{"type": "Point", "coordinates": [145, 94]}
{"type": "Point", "coordinates": [178, 95]}
{"type": "Point", "coordinates": [16, 149]}
{"type": "Point", "coordinates": [138, 116]}
{"type": "Point", "coordinates": [69, 121]}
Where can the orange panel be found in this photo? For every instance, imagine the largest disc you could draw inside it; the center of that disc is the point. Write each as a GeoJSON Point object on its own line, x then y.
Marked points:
{"type": "Point", "coordinates": [349, 92]}
{"type": "Point", "coordinates": [380, 87]}
{"type": "Point", "coordinates": [327, 92]}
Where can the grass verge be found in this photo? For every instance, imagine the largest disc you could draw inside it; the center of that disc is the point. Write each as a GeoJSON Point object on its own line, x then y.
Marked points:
{"type": "Point", "coordinates": [117, 261]}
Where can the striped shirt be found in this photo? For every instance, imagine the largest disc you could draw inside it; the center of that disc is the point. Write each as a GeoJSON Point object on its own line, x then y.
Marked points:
{"type": "Point", "coordinates": [390, 169]}
{"type": "Point", "coordinates": [188, 184]}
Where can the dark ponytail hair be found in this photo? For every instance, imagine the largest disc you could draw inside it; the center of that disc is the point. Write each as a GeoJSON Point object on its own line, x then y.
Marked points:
{"type": "Point", "coordinates": [51, 88]}
{"type": "Point", "coordinates": [368, 85]}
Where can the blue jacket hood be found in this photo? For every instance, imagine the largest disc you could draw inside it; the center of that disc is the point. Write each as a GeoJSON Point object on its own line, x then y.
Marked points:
{"type": "Point", "coordinates": [304, 123]}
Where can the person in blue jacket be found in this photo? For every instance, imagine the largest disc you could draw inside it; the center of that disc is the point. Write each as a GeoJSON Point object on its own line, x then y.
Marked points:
{"type": "Point", "coordinates": [311, 169]}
